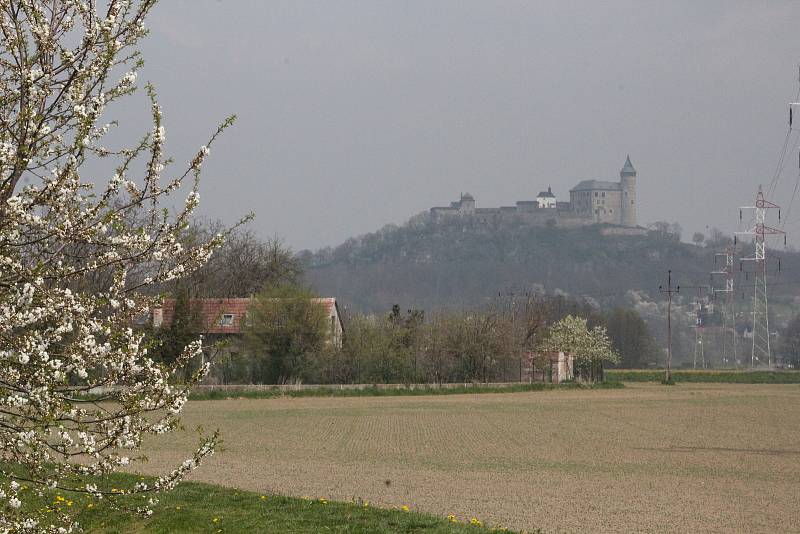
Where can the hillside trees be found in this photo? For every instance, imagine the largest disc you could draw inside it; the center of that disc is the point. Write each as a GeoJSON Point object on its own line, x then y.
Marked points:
{"type": "Point", "coordinates": [64, 330]}
{"type": "Point", "coordinates": [243, 265]}
{"type": "Point", "coordinates": [457, 264]}
{"type": "Point", "coordinates": [285, 333]}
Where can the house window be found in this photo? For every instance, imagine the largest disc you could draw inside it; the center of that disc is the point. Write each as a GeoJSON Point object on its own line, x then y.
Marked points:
{"type": "Point", "coordinates": [595, 193]}
{"type": "Point", "coordinates": [604, 194]}
{"type": "Point", "coordinates": [227, 319]}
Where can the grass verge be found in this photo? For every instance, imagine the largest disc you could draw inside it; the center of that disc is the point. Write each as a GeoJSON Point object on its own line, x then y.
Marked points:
{"type": "Point", "coordinates": [194, 507]}
{"type": "Point", "coordinates": [729, 376]}
{"type": "Point", "coordinates": [375, 391]}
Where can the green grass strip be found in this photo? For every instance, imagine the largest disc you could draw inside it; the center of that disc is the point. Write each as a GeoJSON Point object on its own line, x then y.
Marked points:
{"type": "Point", "coordinates": [374, 391]}
{"type": "Point", "coordinates": [194, 508]}
{"type": "Point", "coordinates": [728, 376]}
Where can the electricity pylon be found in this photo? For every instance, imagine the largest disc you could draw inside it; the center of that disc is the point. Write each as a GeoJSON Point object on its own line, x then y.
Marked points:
{"type": "Point", "coordinates": [728, 309]}
{"type": "Point", "coordinates": [761, 352]}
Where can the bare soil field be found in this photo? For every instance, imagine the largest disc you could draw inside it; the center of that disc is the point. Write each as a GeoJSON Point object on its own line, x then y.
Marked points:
{"type": "Point", "coordinates": [647, 458]}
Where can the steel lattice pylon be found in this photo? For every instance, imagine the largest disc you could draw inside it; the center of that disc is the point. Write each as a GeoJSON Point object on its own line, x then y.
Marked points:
{"type": "Point", "coordinates": [761, 352]}
{"type": "Point", "coordinates": [728, 310]}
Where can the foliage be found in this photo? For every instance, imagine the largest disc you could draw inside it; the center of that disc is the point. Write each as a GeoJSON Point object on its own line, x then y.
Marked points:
{"type": "Point", "coordinates": [457, 263]}
{"type": "Point", "coordinates": [76, 257]}
{"type": "Point", "coordinates": [285, 326]}
{"type": "Point", "coordinates": [631, 338]}
{"type": "Point", "coordinates": [186, 322]}
{"type": "Point", "coordinates": [589, 348]}
{"type": "Point", "coordinates": [790, 342]}
{"type": "Point", "coordinates": [492, 344]}
{"type": "Point", "coordinates": [243, 264]}
{"type": "Point", "coordinates": [195, 507]}
{"type": "Point", "coordinates": [722, 375]}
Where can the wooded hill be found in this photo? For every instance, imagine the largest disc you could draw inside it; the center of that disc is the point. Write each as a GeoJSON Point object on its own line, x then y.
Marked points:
{"type": "Point", "coordinates": [460, 263]}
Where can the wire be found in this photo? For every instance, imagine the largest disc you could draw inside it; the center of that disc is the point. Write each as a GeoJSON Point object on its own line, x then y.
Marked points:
{"type": "Point", "coordinates": [782, 158]}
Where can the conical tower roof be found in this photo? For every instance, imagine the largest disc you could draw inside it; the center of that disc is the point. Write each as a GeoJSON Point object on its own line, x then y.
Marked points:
{"type": "Point", "coordinates": [628, 169]}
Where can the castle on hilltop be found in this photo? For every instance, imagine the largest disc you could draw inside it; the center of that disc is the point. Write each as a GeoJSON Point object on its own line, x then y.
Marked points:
{"type": "Point", "coordinates": [590, 202]}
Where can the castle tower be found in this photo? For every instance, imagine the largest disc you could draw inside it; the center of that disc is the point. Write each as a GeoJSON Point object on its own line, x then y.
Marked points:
{"type": "Point", "coordinates": [466, 204]}
{"type": "Point", "coordinates": [627, 185]}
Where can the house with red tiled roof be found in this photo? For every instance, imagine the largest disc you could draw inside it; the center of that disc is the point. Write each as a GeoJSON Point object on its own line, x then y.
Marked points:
{"type": "Point", "coordinates": [228, 316]}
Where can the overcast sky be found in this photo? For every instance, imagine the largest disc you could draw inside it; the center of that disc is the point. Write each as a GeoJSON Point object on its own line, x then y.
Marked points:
{"type": "Point", "coordinates": [353, 115]}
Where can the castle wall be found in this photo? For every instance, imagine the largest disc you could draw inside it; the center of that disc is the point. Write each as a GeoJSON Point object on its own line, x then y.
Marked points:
{"type": "Point", "coordinates": [591, 202]}
{"type": "Point", "coordinates": [581, 204]}
{"type": "Point", "coordinates": [610, 208]}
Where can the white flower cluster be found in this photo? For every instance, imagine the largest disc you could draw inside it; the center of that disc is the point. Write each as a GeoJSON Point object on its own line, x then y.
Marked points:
{"type": "Point", "coordinates": [78, 389]}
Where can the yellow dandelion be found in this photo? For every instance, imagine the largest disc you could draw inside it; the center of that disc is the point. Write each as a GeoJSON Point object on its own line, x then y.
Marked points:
{"type": "Point", "coordinates": [366, 504]}
{"type": "Point", "coordinates": [90, 505]}
{"type": "Point", "coordinates": [263, 497]}
{"type": "Point", "coordinates": [69, 503]}
{"type": "Point", "coordinates": [475, 521]}
{"type": "Point", "coordinates": [323, 500]}
{"type": "Point", "coordinates": [452, 518]}
{"type": "Point", "coordinates": [177, 507]}
{"type": "Point", "coordinates": [215, 520]}
{"type": "Point", "coordinates": [404, 508]}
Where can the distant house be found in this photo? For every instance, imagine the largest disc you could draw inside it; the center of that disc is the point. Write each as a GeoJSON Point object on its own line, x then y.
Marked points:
{"type": "Point", "coordinates": [228, 316]}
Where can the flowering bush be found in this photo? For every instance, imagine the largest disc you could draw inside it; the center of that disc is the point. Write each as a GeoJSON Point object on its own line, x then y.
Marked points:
{"type": "Point", "coordinates": [588, 347]}
{"type": "Point", "coordinates": [78, 391]}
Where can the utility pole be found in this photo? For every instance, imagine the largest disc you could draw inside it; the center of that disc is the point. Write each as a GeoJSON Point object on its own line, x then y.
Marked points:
{"type": "Point", "coordinates": [761, 351]}
{"type": "Point", "coordinates": [669, 291]}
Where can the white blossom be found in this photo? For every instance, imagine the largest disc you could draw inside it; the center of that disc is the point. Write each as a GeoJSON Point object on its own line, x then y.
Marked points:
{"type": "Point", "coordinates": [62, 333]}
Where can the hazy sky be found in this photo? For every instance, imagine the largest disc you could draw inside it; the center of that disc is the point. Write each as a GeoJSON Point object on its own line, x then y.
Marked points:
{"type": "Point", "coordinates": [357, 114]}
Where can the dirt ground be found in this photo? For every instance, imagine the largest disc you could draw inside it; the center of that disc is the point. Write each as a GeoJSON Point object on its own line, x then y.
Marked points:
{"type": "Point", "coordinates": [647, 458]}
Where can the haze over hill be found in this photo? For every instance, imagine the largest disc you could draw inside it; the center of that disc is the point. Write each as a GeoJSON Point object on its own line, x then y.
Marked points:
{"type": "Point", "coordinates": [459, 262]}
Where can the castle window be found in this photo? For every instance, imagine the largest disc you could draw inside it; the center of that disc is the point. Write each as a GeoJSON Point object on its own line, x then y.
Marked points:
{"type": "Point", "coordinates": [595, 193]}
{"type": "Point", "coordinates": [604, 194]}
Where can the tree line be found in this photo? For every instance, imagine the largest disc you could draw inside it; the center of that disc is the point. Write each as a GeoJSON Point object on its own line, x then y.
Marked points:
{"type": "Point", "coordinates": [287, 334]}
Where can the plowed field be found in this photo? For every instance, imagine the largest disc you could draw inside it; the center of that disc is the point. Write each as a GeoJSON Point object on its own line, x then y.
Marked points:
{"type": "Point", "coordinates": [646, 458]}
